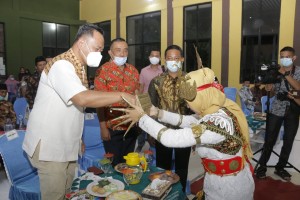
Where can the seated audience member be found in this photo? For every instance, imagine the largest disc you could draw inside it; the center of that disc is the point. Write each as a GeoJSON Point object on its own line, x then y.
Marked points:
{"type": "Point", "coordinates": [6, 108]}
{"type": "Point", "coordinates": [257, 92]}
{"type": "Point", "coordinates": [21, 73]}
{"type": "Point", "coordinates": [247, 96]}
{"type": "Point", "coordinates": [220, 135]}
{"type": "Point", "coordinates": [23, 85]}
{"type": "Point", "coordinates": [12, 88]}
{"type": "Point", "coordinates": [34, 79]}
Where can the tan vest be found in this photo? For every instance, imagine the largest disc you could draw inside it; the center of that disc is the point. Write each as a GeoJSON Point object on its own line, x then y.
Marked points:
{"type": "Point", "coordinates": [70, 56]}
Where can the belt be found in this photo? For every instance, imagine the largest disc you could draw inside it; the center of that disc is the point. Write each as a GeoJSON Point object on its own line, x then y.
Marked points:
{"type": "Point", "coordinates": [223, 167]}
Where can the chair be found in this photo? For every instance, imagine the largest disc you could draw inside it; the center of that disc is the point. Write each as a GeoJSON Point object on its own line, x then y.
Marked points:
{"type": "Point", "coordinates": [94, 148]}
{"type": "Point", "coordinates": [20, 107]}
{"type": "Point", "coordinates": [230, 93]}
{"type": "Point", "coordinates": [22, 176]}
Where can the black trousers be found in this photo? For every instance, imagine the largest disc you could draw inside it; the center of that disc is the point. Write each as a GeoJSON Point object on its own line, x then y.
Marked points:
{"type": "Point", "coordinates": [182, 157]}
{"type": "Point", "coordinates": [120, 147]}
{"type": "Point", "coordinates": [291, 123]}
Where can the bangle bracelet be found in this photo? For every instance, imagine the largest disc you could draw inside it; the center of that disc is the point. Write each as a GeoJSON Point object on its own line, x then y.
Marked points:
{"type": "Point", "coordinates": [180, 120]}
{"type": "Point", "coordinates": [161, 131]}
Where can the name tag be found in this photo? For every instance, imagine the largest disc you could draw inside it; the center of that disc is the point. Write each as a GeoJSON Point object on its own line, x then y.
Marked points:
{"type": "Point", "coordinates": [13, 134]}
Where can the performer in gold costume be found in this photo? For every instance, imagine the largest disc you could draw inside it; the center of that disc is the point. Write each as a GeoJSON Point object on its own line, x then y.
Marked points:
{"type": "Point", "coordinates": [220, 135]}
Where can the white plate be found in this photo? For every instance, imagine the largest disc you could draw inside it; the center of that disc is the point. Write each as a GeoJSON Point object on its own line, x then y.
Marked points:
{"type": "Point", "coordinates": [124, 194]}
{"type": "Point", "coordinates": [119, 184]}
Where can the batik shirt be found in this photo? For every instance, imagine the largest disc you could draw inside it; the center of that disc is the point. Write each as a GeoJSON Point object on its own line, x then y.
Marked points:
{"type": "Point", "coordinates": [6, 112]}
{"type": "Point", "coordinates": [279, 107]}
{"type": "Point", "coordinates": [247, 97]}
{"type": "Point", "coordinates": [110, 78]}
{"type": "Point", "coordinates": [164, 94]}
{"type": "Point", "coordinates": [31, 89]}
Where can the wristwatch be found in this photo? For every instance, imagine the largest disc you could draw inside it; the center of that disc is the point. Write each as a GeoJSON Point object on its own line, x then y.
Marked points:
{"type": "Point", "coordinates": [287, 73]}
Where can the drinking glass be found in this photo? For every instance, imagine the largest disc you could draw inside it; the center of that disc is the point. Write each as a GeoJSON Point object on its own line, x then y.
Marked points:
{"type": "Point", "coordinates": [105, 167]}
{"type": "Point", "coordinates": [149, 158]}
{"type": "Point", "coordinates": [110, 157]}
{"type": "Point", "coordinates": [20, 121]}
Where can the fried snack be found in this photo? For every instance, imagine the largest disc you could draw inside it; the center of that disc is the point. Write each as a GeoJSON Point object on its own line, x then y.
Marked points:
{"type": "Point", "coordinates": [98, 189]}
{"type": "Point", "coordinates": [101, 190]}
{"type": "Point", "coordinates": [95, 188]}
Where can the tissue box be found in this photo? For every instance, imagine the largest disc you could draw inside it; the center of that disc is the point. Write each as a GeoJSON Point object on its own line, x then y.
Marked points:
{"type": "Point", "coordinates": [157, 194]}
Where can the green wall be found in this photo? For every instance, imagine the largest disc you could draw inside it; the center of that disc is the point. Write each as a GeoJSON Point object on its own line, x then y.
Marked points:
{"type": "Point", "coordinates": [23, 27]}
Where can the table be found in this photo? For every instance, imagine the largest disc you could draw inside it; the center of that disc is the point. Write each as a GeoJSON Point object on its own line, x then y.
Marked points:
{"type": "Point", "coordinates": [255, 123]}
{"type": "Point", "coordinates": [175, 194]}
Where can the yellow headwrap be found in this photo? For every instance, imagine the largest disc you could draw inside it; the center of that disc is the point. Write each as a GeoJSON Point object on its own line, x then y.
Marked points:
{"type": "Point", "coordinates": [211, 99]}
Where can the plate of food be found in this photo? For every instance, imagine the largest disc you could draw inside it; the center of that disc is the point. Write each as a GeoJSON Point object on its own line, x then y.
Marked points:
{"type": "Point", "coordinates": [124, 195]}
{"type": "Point", "coordinates": [120, 167]}
{"type": "Point", "coordinates": [165, 175]}
{"type": "Point", "coordinates": [104, 187]}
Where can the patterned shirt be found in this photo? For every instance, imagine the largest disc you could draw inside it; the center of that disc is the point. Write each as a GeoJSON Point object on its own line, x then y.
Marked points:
{"type": "Point", "coordinates": [247, 97]}
{"type": "Point", "coordinates": [279, 107]}
{"type": "Point", "coordinates": [6, 112]}
{"type": "Point", "coordinates": [110, 78]}
{"type": "Point", "coordinates": [31, 89]}
{"type": "Point", "coordinates": [164, 93]}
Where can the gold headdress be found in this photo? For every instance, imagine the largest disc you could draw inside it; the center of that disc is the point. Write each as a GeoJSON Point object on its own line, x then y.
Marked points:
{"type": "Point", "coordinates": [209, 99]}
{"type": "Point", "coordinates": [186, 90]}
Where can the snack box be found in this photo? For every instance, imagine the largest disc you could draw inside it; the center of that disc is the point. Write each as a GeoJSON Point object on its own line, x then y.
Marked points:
{"type": "Point", "coordinates": [157, 194]}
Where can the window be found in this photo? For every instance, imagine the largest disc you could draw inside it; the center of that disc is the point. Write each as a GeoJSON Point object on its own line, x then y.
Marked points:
{"type": "Point", "coordinates": [197, 31]}
{"type": "Point", "coordinates": [260, 28]}
{"type": "Point", "coordinates": [143, 36]}
{"type": "Point", "coordinates": [56, 39]}
{"type": "Point", "coordinates": [2, 50]}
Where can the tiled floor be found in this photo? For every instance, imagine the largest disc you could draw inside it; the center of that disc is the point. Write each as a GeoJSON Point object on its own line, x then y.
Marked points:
{"type": "Point", "coordinates": [195, 171]}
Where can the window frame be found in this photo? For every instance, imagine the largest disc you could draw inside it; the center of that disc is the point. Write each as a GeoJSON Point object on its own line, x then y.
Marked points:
{"type": "Point", "coordinates": [198, 41]}
{"type": "Point", "coordinates": [142, 44]}
{"type": "Point", "coordinates": [55, 50]}
{"type": "Point", "coordinates": [258, 45]}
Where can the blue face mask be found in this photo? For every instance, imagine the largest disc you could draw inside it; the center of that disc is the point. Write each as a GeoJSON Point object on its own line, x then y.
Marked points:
{"type": "Point", "coordinates": [2, 98]}
{"type": "Point", "coordinates": [120, 61]}
{"type": "Point", "coordinates": [286, 62]}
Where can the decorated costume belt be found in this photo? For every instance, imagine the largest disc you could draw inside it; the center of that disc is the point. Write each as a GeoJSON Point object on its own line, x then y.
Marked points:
{"type": "Point", "coordinates": [225, 167]}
